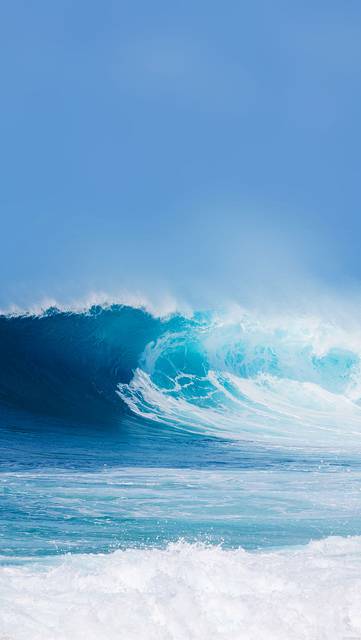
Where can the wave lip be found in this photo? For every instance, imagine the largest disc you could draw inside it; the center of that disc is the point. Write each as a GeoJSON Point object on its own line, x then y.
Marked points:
{"type": "Point", "coordinates": [187, 592]}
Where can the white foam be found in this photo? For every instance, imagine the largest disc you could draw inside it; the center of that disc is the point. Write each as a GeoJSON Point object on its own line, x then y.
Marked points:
{"type": "Point", "coordinates": [188, 592]}
{"type": "Point", "coordinates": [161, 307]}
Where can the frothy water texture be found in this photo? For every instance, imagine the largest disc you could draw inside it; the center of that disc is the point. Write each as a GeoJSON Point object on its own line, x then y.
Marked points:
{"type": "Point", "coordinates": [189, 591]}
{"type": "Point", "coordinates": [179, 477]}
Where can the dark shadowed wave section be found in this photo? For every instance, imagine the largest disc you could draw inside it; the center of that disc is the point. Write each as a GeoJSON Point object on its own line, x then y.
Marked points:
{"type": "Point", "coordinates": [67, 364]}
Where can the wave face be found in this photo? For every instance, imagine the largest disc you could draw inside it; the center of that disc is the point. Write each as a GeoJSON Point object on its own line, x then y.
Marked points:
{"type": "Point", "coordinates": [188, 592]}
{"type": "Point", "coordinates": [294, 383]}
{"type": "Point", "coordinates": [68, 364]}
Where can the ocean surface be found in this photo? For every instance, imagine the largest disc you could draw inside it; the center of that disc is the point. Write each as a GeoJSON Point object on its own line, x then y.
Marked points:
{"type": "Point", "coordinates": [179, 478]}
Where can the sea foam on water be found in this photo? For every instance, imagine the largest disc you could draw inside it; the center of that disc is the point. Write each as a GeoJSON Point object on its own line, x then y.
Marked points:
{"type": "Point", "coordinates": [188, 591]}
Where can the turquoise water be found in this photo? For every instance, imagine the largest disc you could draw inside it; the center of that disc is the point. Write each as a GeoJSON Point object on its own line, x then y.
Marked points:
{"type": "Point", "coordinates": [119, 429]}
{"type": "Point", "coordinates": [182, 449]}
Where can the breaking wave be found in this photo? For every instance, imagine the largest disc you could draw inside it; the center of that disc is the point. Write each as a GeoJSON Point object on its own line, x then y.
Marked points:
{"type": "Point", "coordinates": [289, 382]}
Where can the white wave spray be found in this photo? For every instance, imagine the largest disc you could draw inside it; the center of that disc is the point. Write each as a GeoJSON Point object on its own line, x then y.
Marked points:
{"type": "Point", "coordinates": [188, 592]}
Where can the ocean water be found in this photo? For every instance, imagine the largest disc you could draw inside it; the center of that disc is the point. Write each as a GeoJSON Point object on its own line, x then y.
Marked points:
{"type": "Point", "coordinates": [179, 477]}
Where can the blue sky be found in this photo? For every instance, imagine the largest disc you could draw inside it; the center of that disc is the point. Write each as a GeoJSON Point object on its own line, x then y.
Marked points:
{"type": "Point", "coordinates": [185, 147]}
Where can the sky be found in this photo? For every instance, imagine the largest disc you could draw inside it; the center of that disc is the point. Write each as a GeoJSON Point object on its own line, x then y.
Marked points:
{"type": "Point", "coordinates": [193, 148]}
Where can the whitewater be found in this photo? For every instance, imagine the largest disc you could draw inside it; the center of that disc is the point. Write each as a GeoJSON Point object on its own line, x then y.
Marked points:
{"type": "Point", "coordinates": [189, 591]}
{"type": "Point", "coordinates": [179, 476]}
